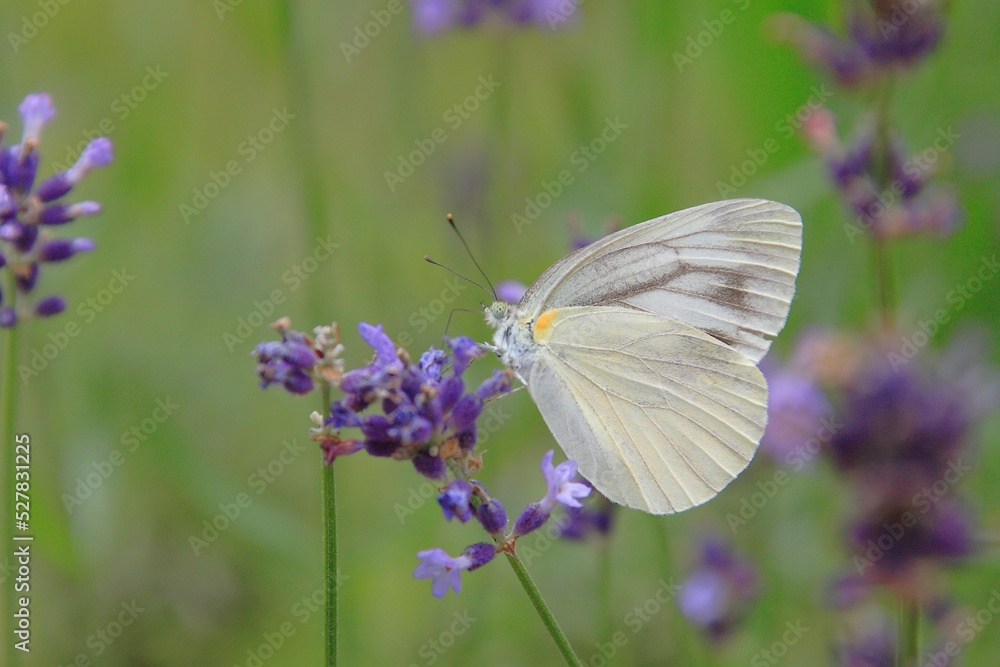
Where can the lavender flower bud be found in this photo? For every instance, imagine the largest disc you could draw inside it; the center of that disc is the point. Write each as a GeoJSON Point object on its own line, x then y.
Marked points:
{"type": "Point", "coordinates": [429, 466]}
{"type": "Point", "coordinates": [58, 250]}
{"type": "Point", "coordinates": [50, 305]}
{"type": "Point", "coordinates": [59, 214]}
{"type": "Point", "coordinates": [532, 518]}
{"type": "Point", "coordinates": [493, 516]}
{"type": "Point", "coordinates": [479, 554]}
{"type": "Point", "coordinates": [36, 110]}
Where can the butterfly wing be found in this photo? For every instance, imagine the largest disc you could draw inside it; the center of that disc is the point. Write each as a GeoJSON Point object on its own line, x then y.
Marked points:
{"type": "Point", "coordinates": [726, 268]}
{"type": "Point", "coordinates": [659, 415]}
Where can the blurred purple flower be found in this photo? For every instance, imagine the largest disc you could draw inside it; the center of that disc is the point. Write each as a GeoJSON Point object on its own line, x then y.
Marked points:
{"type": "Point", "coordinates": [24, 212]}
{"type": "Point", "coordinates": [882, 35]}
{"type": "Point", "coordinates": [904, 443]}
{"type": "Point", "coordinates": [288, 362]}
{"type": "Point", "coordinates": [888, 544]}
{"type": "Point", "coordinates": [596, 516]}
{"type": "Point", "coordinates": [891, 196]}
{"type": "Point", "coordinates": [717, 594]}
{"type": "Point", "coordinates": [890, 32]}
{"type": "Point", "coordinates": [900, 432]}
{"type": "Point", "coordinates": [797, 412]}
{"type": "Point", "coordinates": [510, 291]}
{"type": "Point", "coordinates": [877, 648]}
{"type": "Point", "coordinates": [435, 16]}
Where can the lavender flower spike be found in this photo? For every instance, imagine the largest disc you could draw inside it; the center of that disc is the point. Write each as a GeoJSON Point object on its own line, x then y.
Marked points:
{"type": "Point", "coordinates": [25, 211]}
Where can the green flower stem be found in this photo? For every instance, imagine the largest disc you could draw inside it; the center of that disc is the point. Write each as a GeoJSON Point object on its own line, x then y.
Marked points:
{"type": "Point", "coordinates": [330, 573]}
{"type": "Point", "coordinates": [911, 620]}
{"type": "Point", "coordinates": [7, 484]}
{"type": "Point", "coordinates": [543, 610]}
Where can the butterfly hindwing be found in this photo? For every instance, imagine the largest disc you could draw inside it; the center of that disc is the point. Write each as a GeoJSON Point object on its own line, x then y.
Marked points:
{"type": "Point", "coordinates": [659, 415]}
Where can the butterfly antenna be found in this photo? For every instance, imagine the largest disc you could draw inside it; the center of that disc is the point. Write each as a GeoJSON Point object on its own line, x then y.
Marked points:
{"type": "Point", "coordinates": [451, 221]}
{"type": "Point", "coordinates": [466, 278]}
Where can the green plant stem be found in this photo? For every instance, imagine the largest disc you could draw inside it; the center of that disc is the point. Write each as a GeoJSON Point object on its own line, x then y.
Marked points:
{"type": "Point", "coordinates": [7, 484]}
{"type": "Point", "coordinates": [911, 620]}
{"type": "Point", "coordinates": [543, 610]}
{"type": "Point", "coordinates": [331, 572]}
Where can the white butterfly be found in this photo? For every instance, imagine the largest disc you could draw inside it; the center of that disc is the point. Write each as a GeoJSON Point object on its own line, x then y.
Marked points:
{"type": "Point", "coordinates": [640, 349]}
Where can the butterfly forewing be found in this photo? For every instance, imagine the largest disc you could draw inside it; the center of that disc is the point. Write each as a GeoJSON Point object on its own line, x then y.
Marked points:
{"type": "Point", "coordinates": [726, 268]}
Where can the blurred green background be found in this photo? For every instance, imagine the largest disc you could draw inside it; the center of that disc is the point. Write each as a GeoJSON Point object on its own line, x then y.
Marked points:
{"type": "Point", "coordinates": [174, 334]}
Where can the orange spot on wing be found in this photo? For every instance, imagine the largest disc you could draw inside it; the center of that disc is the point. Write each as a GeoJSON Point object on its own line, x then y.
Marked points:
{"type": "Point", "coordinates": [543, 326]}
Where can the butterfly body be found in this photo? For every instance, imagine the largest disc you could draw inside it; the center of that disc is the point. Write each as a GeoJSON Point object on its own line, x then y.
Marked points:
{"type": "Point", "coordinates": [640, 350]}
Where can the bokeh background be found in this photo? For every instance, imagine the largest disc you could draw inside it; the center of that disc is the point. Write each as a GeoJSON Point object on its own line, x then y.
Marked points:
{"type": "Point", "coordinates": [182, 329]}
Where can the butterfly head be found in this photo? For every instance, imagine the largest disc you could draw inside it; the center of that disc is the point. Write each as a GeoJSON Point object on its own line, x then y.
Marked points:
{"type": "Point", "coordinates": [497, 313]}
